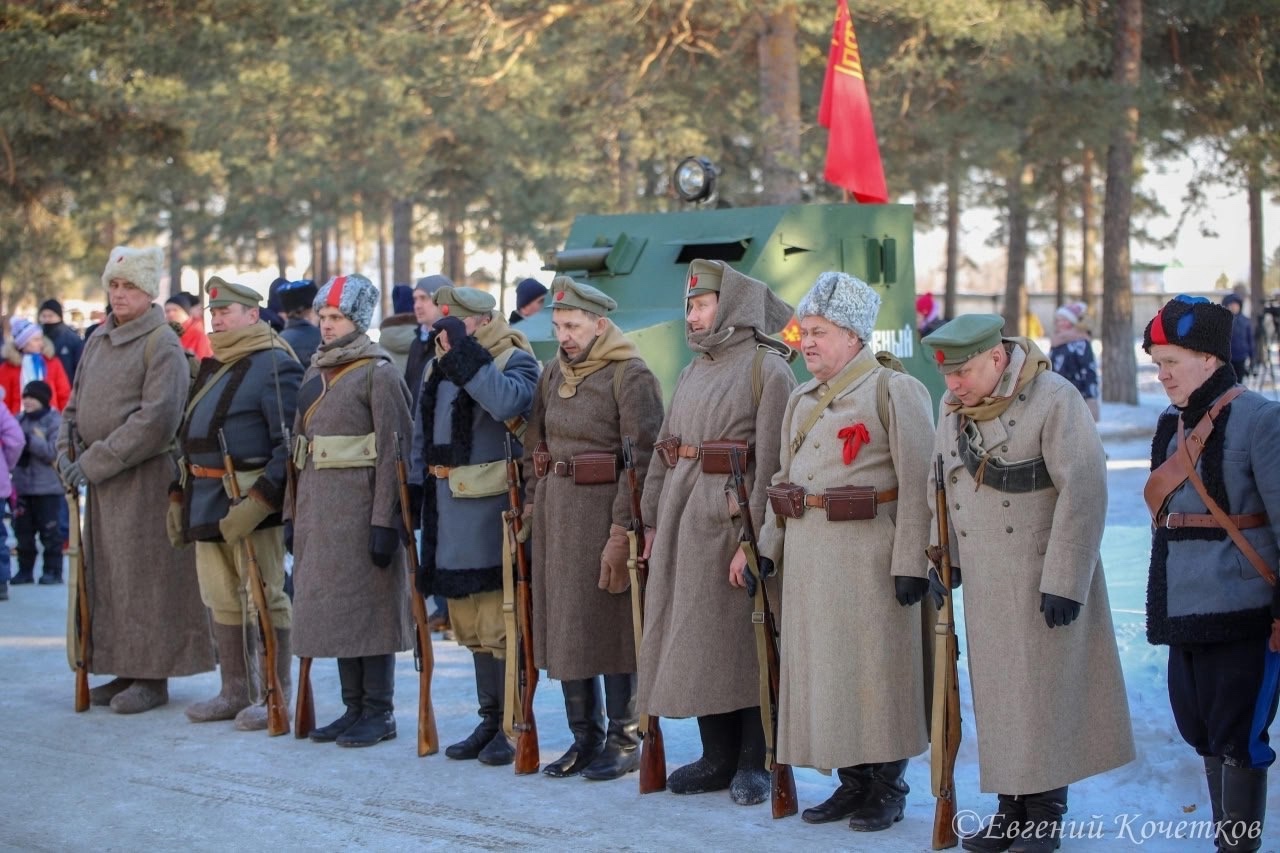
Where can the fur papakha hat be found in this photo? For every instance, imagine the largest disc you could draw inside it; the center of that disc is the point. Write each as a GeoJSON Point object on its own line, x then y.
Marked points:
{"type": "Point", "coordinates": [845, 300]}
{"type": "Point", "coordinates": [354, 295]}
{"type": "Point", "coordinates": [1194, 323]}
{"type": "Point", "coordinates": [140, 267]}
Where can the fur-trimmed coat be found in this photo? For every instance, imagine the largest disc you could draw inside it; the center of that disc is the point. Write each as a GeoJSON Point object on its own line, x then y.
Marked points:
{"type": "Point", "coordinates": [148, 619]}
{"type": "Point", "coordinates": [1049, 703]}
{"type": "Point", "coordinates": [1201, 588]}
{"type": "Point", "coordinates": [11, 377]}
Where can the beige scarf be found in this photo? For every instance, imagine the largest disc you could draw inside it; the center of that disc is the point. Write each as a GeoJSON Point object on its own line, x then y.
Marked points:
{"type": "Point", "coordinates": [1026, 362]}
{"type": "Point", "coordinates": [608, 347]}
{"type": "Point", "coordinates": [235, 344]}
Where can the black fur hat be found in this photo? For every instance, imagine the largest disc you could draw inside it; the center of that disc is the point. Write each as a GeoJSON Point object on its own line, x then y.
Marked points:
{"type": "Point", "coordinates": [1194, 323]}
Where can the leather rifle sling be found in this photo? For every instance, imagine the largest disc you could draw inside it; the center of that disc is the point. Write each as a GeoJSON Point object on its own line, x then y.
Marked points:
{"type": "Point", "coordinates": [826, 399]}
{"type": "Point", "coordinates": [512, 708]}
{"type": "Point", "coordinates": [1165, 480]}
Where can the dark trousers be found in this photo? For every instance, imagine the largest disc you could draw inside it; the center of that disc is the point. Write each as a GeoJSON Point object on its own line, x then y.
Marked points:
{"type": "Point", "coordinates": [1224, 698]}
{"type": "Point", "coordinates": [38, 516]}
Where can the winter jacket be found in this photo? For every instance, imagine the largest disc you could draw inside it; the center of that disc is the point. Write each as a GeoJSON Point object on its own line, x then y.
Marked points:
{"type": "Point", "coordinates": [66, 346]}
{"type": "Point", "coordinates": [11, 377]}
{"type": "Point", "coordinates": [194, 340]}
{"type": "Point", "coordinates": [34, 474]}
{"type": "Point", "coordinates": [11, 445]}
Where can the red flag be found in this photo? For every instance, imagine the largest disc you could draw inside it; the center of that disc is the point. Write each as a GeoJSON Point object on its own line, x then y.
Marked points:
{"type": "Point", "coordinates": [853, 155]}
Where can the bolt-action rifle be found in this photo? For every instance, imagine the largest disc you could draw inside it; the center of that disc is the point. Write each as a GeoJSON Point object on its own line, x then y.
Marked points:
{"type": "Point", "coordinates": [520, 647]}
{"type": "Point", "coordinates": [75, 549]}
{"type": "Point", "coordinates": [945, 736]}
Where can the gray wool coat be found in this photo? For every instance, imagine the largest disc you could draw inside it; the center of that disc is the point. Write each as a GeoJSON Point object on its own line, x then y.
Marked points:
{"type": "Point", "coordinates": [1049, 703]}
{"type": "Point", "coordinates": [851, 691]}
{"type": "Point", "coordinates": [148, 619]}
{"type": "Point", "coordinates": [698, 656]}
{"type": "Point", "coordinates": [580, 630]}
{"type": "Point", "coordinates": [343, 604]}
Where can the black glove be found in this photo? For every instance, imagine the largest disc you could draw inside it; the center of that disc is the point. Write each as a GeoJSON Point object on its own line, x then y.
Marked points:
{"type": "Point", "coordinates": [767, 569]}
{"type": "Point", "coordinates": [909, 591]}
{"type": "Point", "coordinates": [288, 536]}
{"type": "Point", "coordinates": [383, 542]}
{"type": "Point", "coordinates": [454, 330]}
{"type": "Point", "coordinates": [937, 589]}
{"type": "Point", "coordinates": [1058, 611]}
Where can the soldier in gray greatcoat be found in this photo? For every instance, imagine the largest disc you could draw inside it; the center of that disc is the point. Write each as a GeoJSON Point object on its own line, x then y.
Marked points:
{"type": "Point", "coordinates": [247, 390]}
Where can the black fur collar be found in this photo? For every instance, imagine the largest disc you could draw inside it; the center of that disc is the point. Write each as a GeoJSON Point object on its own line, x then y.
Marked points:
{"type": "Point", "coordinates": [1202, 399]}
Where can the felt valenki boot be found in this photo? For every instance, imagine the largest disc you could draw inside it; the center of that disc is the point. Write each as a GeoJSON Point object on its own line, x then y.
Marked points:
{"type": "Point", "coordinates": [254, 717]}
{"type": "Point", "coordinates": [751, 783]}
{"type": "Point", "coordinates": [142, 695]}
{"type": "Point", "coordinates": [234, 695]}
{"type": "Point", "coordinates": [715, 769]}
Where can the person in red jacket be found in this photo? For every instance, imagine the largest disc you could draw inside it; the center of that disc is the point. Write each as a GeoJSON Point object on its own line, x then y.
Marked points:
{"type": "Point", "coordinates": [26, 357]}
{"type": "Point", "coordinates": [182, 309]}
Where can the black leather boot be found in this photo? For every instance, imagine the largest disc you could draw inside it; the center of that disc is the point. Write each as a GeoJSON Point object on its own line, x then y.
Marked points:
{"type": "Point", "coordinates": [351, 677]}
{"type": "Point", "coordinates": [621, 753]}
{"type": "Point", "coordinates": [582, 707]}
{"type": "Point", "coordinates": [377, 710]}
{"type": "Point", "coordinates": [884, 804]}
{"type": "Point", "coordinates": [750, 783]}
{"type": "Point", "coordinates": [468, 749]}
{"type": "Point", "coordinates": [1244, 805]}
{"type": "Point", "coordinates": [1213, 776]}
{"type": "Point", "coordinates": [499, 751]}
{"type": "Point", "coordinates": [714, 770]}
{"type": "Point", "coordinates": [855, 787]}
{"type": "Point", "coordinates": [1042, 831]}
{"type": "Point", "coordinates": [997, 834]}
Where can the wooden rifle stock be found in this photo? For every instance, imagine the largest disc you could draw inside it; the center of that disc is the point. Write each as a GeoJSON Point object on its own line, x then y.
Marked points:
{"type": "Point", "coordinates": [424, 660]}
{"type": "Point", "coordinates": [277, 713]}
{"type": "Point", "coordinates": [945, 736]}
{"type": "Point", "coordinates": [782, 794]}
{"type": "Point", "coordinates": [527, 758]}
{"type": "Point", "coordinates": [75, 548]}
{"type": "Point", "coordinates": [304, 714]}
{"type": "Point", "coordinates": [653, 754]}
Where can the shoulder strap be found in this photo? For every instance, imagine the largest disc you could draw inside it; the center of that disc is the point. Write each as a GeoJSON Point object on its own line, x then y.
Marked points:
{"type": "Point", "coordinates": [153, 337]}
{"type": "Point", "coordinates": [826, 399]}
{"type": "Point", "coordinates": [329, 381]}
{"type": "Point", "coordinates": [1165, 480]}
{"type": "Point", "coordinates": [199, 393]}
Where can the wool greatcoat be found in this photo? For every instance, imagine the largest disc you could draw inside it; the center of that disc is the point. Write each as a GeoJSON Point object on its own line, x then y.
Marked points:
{"type": "Point", "coordinates": [580, 630]}
{"type": "Point", "coordinates": [698, 656]}
{"type": "Point", "coordinates": [851, 691]}
{"type": "Point", "coordinates": [148, 619]}
{"type": "Point", "coordinates": [1049, 703]}
{"type": "Point", "coordinates": [344, 605]}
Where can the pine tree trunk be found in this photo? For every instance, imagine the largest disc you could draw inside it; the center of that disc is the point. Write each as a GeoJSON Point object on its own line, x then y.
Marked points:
{"type": "Point", "coordinates": [1060, 236]}
{"type": "Point", "coordinates": [1257, 269]}
{"type": "Point", "coordinates": [1086, 226]}
{"type": "Point", "coordinates": [1015, 282]}
{"type": "Point", "coordinates": [1119, 365]}
{"type": "Point", "coordinates": [402, 240]}
{"type": "Point", "coordinates": [953, 238]}
{"type": "Point", "coordinates": [779, 106]}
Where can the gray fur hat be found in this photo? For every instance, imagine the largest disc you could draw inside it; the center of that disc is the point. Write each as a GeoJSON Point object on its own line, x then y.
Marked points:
{"type": "Point", "coordinates": [353, 295]}
{"type": "Point", "coordinates": [845, 300]}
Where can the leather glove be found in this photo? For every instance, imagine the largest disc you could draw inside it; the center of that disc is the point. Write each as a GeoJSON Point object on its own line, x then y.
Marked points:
{"type": "Point", "coordinates": [614, 574]}
{"type": "Point", "coordinates": [767, 568]}
{"type": "Point", "coordinates": [526, 525]}
{"type": "Point", "coordinates": [242, 519]}
{"type": "Point", "coordinates": [70, 473]}
{"type": "Point", "coordinates": [288, 536]}
{"type": "Point", "coordinates": [454, 330]}
{"type": "Point", "coordinates": [910, 591]}
{"type": "Point", "coordinates": [937, 589]}
{"type": "Point", "coordinates": [173, 522]}
{"type": "Point", "coordinates": [1058, 611]}
{"type": "Point", "coordinates": [383, 542]}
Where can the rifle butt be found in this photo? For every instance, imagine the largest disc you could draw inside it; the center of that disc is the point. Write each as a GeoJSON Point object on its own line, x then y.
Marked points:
{"type": "Point", "coordinates": [304, 716]}
{"type": "Point", "coordinates": [82, 689]}
{"type": "Point", "coordinates": [944, 823]}
{"type": "Point", "coordinates": [428, 738]}
{"type": "Point", "coordinates": [277, 713]}
{"type": "Point", "coordinates": [782, 794]}
{"type": "Point", "coordinates": [653, 760]}
{"type": "Point", "coordinates": [527, 757]}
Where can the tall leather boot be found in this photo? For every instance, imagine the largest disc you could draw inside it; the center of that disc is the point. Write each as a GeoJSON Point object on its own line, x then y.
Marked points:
{"type": "Point", "coordinates": [351, 677]}
{"type": "Point", "coordinates": [490, 712]}
{"type": "Point", "coordinates": [142, 695]}
{"type": "Point", "coordinates": [254, 717]}
{"type": "Point", "coordinates": [234, 695]}
{"type": "Point", "coordinates": [377, 717]}
{"type": "Point", "coordinates": [714, 770]}
{"type": "Point", "coordinates": [499, 751]}
{"type": "Point", "coordinates": [1244, 805]}
{"type": "Point", "coordinates": [582, 708]}
{"type": "Point", "coordinates": [884, 804]}
{"type": "Point", "coordinates": [621, 753]}
{"type": "Point", "coordinates": [855, 787]}
{"type": "Point", "coordinates": [1213, 776]}
{"type": "Point", "coordinates": [998, 833]}
{"type": "Point", "coordinates": [750, 785]}
{"type": "Point", "coordinates": [1042, 831]}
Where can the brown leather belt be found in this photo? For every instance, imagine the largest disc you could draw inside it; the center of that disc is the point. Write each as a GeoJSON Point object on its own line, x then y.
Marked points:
{"type": "Point", "coordinates": [820, 501]}
{"type": "Point", "coordinates": [440, 472]}
{"type": "Point", "coordinates": [689, 451]}
{"type": "Point", "coordinates": [204, 473]}
{"type": "Point", "coordinates": [1175, 520]}
{"type": "Point", "coordinates": [562, 468]}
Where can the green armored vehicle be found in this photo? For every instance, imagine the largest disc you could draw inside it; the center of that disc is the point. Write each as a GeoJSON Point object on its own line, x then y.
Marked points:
{"type": "Point", "coordinates": [641, 261]}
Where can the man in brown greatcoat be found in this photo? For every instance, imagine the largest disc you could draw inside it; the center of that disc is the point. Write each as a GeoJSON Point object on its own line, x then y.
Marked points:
{"type": "Point", "coordinates": [117, 435]}
{"type": "Point", "coordinates": [595, 393]}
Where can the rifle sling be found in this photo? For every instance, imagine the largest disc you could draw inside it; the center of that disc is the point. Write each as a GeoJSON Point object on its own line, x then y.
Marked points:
{"type": "Point", "coordinates": [1169, 477]}
{"type": "Point", "coordinates": [833, 390]}
{"type": "Point", "coordinates": [513, 709]}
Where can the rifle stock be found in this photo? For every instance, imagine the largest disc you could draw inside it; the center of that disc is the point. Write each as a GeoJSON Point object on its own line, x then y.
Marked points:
{"type": "Point", "coordinates": [527, 758]}
{"type": "Point", "coordinates": [75, 548]}
{"type": "Point", "coordinates": [277, 713]}
{"type": "Point", "coordinates": [304, 714]}
{"type": "Point", "coordinates": [653, 753]}
{"type": "Point", "coordinates": [424, 660]}
{"type": "Point", "coordinates": [782, 794]}
{"type": "Point", "coordinates": [945, 736]}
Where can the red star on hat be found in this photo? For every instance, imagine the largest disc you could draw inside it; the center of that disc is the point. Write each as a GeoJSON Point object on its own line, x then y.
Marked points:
{"type": "Point", "coordinates": [693, 282]}
{"type": "Point", "coordinates": [559, 295]}
{"type": "Point", "coordinates": [213, 291]}
{"type": "Point", "coordinates": [939, 357]}
{"type": "Point", "coordinates": [444, 309]}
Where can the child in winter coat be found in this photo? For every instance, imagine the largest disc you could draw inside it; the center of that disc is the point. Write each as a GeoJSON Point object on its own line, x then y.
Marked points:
{"type": "Point", "coordinates": [11, 445]}
{"type": "Point", "coordinates": [40, 492]}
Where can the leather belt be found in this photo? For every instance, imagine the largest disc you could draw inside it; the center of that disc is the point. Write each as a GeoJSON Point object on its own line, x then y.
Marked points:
{"type": "Point", "coordinates": [205, 473]}
{"type": "Point", "coordinates": [1175, 520]}
{"type": "Point", "coordinates": [689, 451]}
{"type": "Point", "coordinates": [440, 472]}
{"type": "Point", "coordinates": [562, 468]}
{"type": "Point", "coordinates": [820, 501]}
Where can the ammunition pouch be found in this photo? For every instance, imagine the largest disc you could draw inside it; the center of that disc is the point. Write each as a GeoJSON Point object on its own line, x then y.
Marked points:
{"type": "Point", "coordinates": [1028, 475]}
{"type": "Point", "coordinates": [483, 480]}
{"type": "Point", "coordinates": [589, 469]}
{"type": "Point", "coordinates": [787, 500]}
{"type": "Point", "coordinates": [668, 449]}
{"type": "Point", "coordinates": [344, 451]}
{"type": "Point", "coordinates": [541, 460]}
{"type": "Point", "coordinates": [850, 503]}
{"type": "Point", "coordinates": [716, 457]}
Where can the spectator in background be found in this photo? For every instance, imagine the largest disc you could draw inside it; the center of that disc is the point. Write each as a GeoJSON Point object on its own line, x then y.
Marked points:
{"type": "Point", "coordinates": [28, 356]}
{"type": "Point", "coordinates": [530, 297]}
{"type": "Point", "coordinates": [273, 315]}
{"type": "Point", "coordinates": [182, 309]}
{"type": "Point", "coordinates": [98, 317]}
{"type": "Point", "coordinates": [39, 491]}
{"type": "Point", "coordinates": [300, 330]}
{"type": "Point", "coordinates": [928, 314]}
{"type": "Point", "coordinates": [1241, 336]}
{"type": "Point", "coordinates": [66, 343]}
{"type": "Point", "coordinates": [11, 444]}
{"type": "Point", "coordinates": [1071, 353]}
{"type": "Point", "coordinates": [426, 313]}
{"type": "Point", "coordinates": [397, 332]}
